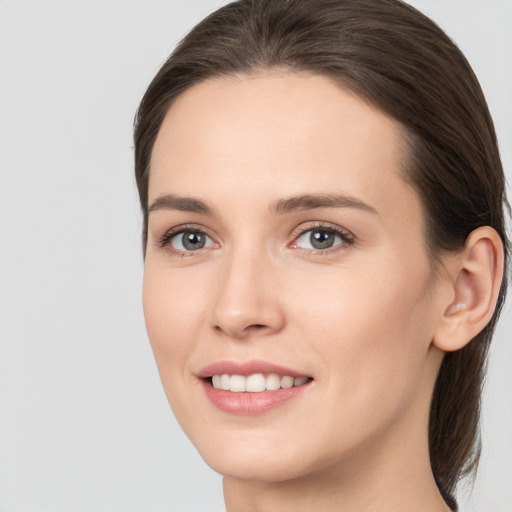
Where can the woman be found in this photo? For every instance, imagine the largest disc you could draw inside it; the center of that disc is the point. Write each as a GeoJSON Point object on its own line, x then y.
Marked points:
{"type": "Point", "coordinates": [324, 252]}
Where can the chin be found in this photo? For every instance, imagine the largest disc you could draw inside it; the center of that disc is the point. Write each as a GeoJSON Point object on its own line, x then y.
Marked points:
{"type": "Point", "coordinates": [258, 469]}
{"type": "Point", "coordinates": [261, 457]}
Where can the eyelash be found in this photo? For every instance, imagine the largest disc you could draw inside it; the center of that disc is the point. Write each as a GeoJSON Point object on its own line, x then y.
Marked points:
{"type": "Point", "coordinates": [180, 230]}
{"type": "Point", "coordinates": [347, 238]}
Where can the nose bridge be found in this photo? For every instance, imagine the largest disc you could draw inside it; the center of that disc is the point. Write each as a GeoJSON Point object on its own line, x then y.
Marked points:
{"type": "Point", "coordinates": [246, 301]}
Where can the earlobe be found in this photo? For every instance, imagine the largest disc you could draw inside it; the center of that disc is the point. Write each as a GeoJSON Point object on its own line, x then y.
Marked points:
{"type": "Point", "coordinates": [476, 282]}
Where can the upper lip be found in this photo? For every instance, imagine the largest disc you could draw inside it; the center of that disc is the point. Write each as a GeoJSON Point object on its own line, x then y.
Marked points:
{"type": "Point", "coordinates": [246, 368]}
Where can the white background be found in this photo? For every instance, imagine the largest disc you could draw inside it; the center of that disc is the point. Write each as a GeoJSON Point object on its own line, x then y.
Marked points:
{"type": "Point", "coordinates": [84, 425]}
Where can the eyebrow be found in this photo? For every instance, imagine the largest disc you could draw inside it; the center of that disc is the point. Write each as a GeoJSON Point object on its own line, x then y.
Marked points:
{"type": "Point", "coordinates": [183, 204]}
{"type": "Point", "coordinates": [312, 201]}
{"type": "Point", "coordinates": [280, 207]}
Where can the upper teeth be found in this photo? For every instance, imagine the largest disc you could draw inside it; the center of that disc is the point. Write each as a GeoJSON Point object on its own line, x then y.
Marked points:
{"type": "Point", "coordinates": [255, 383]}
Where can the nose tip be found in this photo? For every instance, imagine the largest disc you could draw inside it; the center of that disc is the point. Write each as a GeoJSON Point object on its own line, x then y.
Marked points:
{"type": "Point", "coordinates": [246, 303]}
{"type": "Point", "coordinates": [253, 320]}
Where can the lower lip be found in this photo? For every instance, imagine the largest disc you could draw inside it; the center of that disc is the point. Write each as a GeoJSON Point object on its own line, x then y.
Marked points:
{"type": "Point", "coordinates": [250, 403]}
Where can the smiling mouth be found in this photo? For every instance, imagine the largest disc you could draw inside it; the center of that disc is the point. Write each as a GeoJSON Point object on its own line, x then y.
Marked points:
{"type": "Point", "coordinates": [256, 382]}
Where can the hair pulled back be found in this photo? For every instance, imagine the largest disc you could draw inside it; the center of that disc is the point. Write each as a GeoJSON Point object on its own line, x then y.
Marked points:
{"type": "Point", "coordinates": [399, 60]}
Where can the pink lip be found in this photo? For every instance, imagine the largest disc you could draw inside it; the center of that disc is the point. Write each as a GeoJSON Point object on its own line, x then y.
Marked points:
{"type": "Point", "coordinates": [248, 403]}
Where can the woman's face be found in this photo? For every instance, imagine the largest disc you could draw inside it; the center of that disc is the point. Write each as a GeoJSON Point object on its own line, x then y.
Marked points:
{"type": "Point", "coordinates": [284, 244]}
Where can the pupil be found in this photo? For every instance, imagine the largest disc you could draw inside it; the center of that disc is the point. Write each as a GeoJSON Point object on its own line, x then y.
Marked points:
{"type": "Point", "coordinates": [321, 239]}
{"type": "Point", "coordinates": [193, 241]}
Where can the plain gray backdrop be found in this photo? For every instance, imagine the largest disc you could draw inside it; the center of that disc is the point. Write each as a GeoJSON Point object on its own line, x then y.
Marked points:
{"type": "Point", "coordinates": [84, 424]}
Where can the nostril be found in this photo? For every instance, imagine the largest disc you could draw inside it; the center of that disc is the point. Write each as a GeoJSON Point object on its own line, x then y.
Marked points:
{"type": "Point", "coordinates": [242, 332]}
{"type": "Point", "coordinates": [256, 327]}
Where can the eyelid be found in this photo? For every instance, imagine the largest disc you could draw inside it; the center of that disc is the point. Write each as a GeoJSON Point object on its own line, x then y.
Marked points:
{"type": "Point", "coordinates": [347, 237]}
{"type": "Point", "coordinates": [164, 241]}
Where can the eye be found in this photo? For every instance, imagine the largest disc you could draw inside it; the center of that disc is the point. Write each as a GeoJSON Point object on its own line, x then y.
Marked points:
{"type": "Point", "coordinates": [322, 238]}
{"type": "Point", "coordinates": [318, 239]}
{"type": "Point", "coordinates": [190, 240]}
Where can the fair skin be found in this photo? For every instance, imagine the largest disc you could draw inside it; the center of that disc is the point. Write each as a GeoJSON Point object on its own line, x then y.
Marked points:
{"type": "Point", "coordinates": [364, 316]}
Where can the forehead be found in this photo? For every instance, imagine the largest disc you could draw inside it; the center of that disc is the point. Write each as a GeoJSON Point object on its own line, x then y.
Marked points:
{"type": "Point", "coordinates": [282, 133]}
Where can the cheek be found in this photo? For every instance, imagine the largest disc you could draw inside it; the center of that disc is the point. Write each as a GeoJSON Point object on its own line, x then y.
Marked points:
{"type": "Point", "coordinates": [171, 313]}
{"type": "Point", "coordinates": [372, 307]}
{"type": "Point", "coordinates": [171, 304]}
{"type": "Point", "coordinates": [372, 339]}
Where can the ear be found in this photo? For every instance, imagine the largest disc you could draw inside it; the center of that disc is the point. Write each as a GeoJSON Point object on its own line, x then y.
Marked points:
{"type": "Point", "coordinates": [475, 280]}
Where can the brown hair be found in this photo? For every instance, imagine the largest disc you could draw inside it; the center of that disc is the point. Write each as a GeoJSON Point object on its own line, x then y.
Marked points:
{"type": "Point", "coordinates": [399, 60]}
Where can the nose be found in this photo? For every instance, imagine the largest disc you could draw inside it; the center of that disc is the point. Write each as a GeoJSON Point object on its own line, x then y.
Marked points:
{"type": "Point", "coordinates": [247, 300]}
